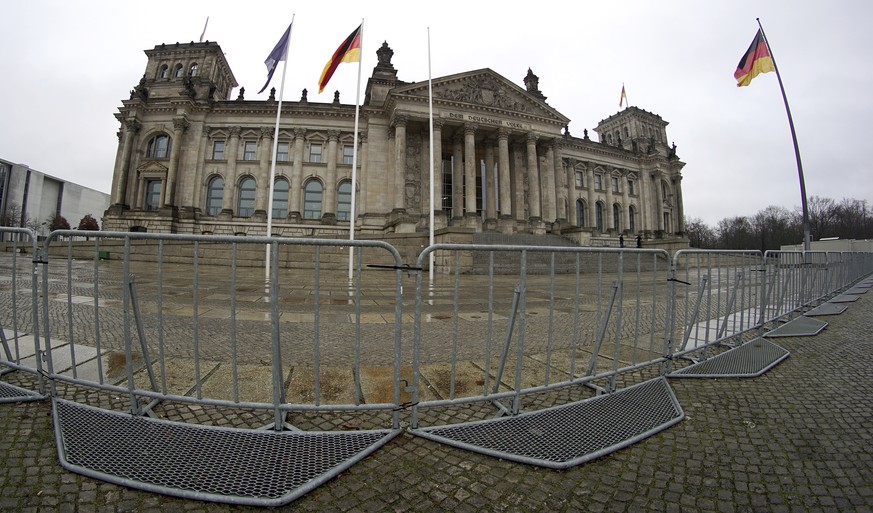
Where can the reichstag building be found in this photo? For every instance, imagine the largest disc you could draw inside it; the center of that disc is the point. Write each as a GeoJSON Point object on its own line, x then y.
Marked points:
{"type": "Point", "coordinates": [192, 158]}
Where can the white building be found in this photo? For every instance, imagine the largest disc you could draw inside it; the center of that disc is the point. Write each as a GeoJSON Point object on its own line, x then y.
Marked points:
{"type": "Point", "coordinates": [30, 198]}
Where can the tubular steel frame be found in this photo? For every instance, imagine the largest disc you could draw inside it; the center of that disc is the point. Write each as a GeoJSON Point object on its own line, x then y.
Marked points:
{"type": "Point", "coordinates": [582, 320]}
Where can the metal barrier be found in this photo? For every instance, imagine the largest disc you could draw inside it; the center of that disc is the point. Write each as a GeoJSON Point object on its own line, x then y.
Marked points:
{"type": "Point", "coordinates": [715, 297]}
{"type": "Point", "coordinates": [218, 346]}
{"type": "Point", "coordinates": [718, 299]}
{"type": "Point", "coordinates": [183, 365]}
{"type": "Point", "coordinates": [556, 337]}
{"type": "Point", "coordinates": [19, 331]}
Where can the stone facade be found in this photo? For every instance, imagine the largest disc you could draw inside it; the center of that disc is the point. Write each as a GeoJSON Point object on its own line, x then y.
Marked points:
{"type": "Point", "coordinates": [193, 159]}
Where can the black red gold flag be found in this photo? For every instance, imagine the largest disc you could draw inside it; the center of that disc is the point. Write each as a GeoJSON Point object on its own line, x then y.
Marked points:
{"type": "Point", "coordinates": [756, 60]}
{"type": "Point", "coordinates": [348, 51]}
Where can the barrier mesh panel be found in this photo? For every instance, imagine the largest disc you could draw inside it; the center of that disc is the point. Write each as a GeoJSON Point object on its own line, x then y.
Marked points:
{"type": "Point", "coordinates": [207, 463]}
{"type": "Point", "coordinates": [11, 393]}
{"type": "Point", "coordinates": [798, 327]}
{"type": "Point", "coordinates": [748, 360]}
{"type": "Point", "coordinates": [568, 435]}
{"type": "Point", "coordinates": [826, 309]}
{"type": "Point", "coordinates": [845, 298]}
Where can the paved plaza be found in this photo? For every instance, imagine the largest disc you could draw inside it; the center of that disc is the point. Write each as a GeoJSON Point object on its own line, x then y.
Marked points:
{"type": "Point", "coordinates": [798, 438]}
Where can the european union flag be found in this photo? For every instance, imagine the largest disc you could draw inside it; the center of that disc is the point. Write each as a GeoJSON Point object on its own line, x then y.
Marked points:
{"type": "Point", "coordinates": [278, 54]}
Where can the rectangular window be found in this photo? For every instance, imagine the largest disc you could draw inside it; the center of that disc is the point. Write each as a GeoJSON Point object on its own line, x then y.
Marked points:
{"type": "Point", "coordinates": [447, 185]}
{"type": "Point", "coordinates": [598, 182]}
{"type": "Point", "coordinates": [580, 180]}
{"type": "Point", "coordinates": [348, 154]}
{"type": "Point", "coordinates": [153, 195]}
{"type": "Point", "coordinates": [630, 187]}
{"type": "Point", "coordinates": [614, 184]}
{"type": "Point", "coordinates": [282, 152]}
{"type": "Point", "coordinates": [315, 152]}
{"type": "Point", "coordinates": [218, 150]}
{"type": "Point", "coordinates": [249, 150]}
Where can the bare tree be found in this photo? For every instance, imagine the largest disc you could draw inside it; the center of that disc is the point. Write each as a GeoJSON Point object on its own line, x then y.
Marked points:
{"type": "Point", "coordinates": [700, 234]}
{"type": "Point", "coordinates": [736, 233]}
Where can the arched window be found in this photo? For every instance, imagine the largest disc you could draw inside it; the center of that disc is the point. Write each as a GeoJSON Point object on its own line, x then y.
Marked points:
{"type": "Point", "coordinates": [177, 71]}
{"type": "Point", "coordinates": [164, 72]}
{"type": "Point", "coordinates": [158, 147]}
{"type": "Point", "coordinates": [280, 198]}
{"type": "Point", "coordinates": [631, 219]}
{"type": "Point", "coordinates": [245, 206]}
{"type": "Point", "coordinates": [344, 201]}
{"type": "Point", "coordinates": [214, 195]}
{"type": "Point", "coordinates": [312, 200]}
{"type": "Point", "coordinates": [580, 213]}
{"type": "Point", "coordinates": [598, 215]}
{"type": "Point", "coordinates": [192, 71]}
{"type": "Point", "coordinates": [616, 217]}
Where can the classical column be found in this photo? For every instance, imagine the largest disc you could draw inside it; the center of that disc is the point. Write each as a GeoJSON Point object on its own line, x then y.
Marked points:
{"type": "Point", "coordinates": [458, 176]}
{"type": "Point", "coordinates": [607, 216]}
{"type": "Point", "coordinates": [470, 170]}
{"type": "Point", "coordinates": [329, 205]}
{"type": "Point", "coordinates": [659, 201]}
{"type": "Point", "coordinates": [680, 208]}
{"type": "Point", "coordinates": [262, 191]}
{"type": "Point", "coordinates": [547, 177]}
{"type": "Point", "coordinates": [592, 205]}
{"type": "Point", "coordinates": [400, 163]}
{"type": "Point", "coordinates": [517, 175]}
{"type": "Point", "coordinates": [437, 169]}
{"type": "Point", "coordinates": [227, 200]}
{"type": "Point", "coordinates": [122, 167]}
{"type": "Point", "coordinates": [361, 196]}
{"type": "Point", "coordinates": [533, 179]}
{"type": "Point", "coordinates": [179, 126]}
{"type": "Point", "coordinates": [490, 187]}
{"type": "Point", "coordinates": [625, 202]}
{"type": "Point", "coordinates": [570, 190]}
{"type": "Point", "coordinates": [503, 170]}
{"type": "Point", "coordinates": [295, 193]}
{"type": "Point", "coordinates": [197, 183]}
{"type": "Point", "coordinates": [562, 188]}
{"type": "Point", "coordinates": [645, 223]}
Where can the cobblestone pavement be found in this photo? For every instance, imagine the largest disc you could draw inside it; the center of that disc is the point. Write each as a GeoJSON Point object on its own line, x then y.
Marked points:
{"type": "Point", "coordinates": [797, 439]}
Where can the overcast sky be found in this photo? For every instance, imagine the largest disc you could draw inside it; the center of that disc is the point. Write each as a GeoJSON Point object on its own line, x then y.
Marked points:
{"type": "Point", "coordinates": [68, 64]}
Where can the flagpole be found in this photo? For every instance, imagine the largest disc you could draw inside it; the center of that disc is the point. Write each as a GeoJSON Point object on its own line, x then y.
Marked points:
{"type": "Point", "coordinates": [355, 156]}
{"type": "Point", "coordinates": [430, 118]}
{"type": "Point", "coordinates": [806, 234]}
{"type": "Point", "coordinates": [273, 156]}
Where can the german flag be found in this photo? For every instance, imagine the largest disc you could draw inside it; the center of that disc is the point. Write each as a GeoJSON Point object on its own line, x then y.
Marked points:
{"type": "Point", "coordinates": [348, 51]}
{"type": "Point", "coordinates": [756, 60]}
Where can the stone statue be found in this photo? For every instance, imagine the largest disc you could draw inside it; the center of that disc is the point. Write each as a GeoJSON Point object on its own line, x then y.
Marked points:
{"type": "Point", "coordinates": [272, 97]}
{"type": "Point", "coordinates": [242, 94]}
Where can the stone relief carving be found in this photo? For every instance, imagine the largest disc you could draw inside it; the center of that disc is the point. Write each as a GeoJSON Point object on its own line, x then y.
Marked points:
{"type": "Point", "coordinates": [483, 91]}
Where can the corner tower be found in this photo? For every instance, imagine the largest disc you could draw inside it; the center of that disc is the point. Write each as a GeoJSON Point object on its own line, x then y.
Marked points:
{"type": "Point", "coordinates": [196, 70]}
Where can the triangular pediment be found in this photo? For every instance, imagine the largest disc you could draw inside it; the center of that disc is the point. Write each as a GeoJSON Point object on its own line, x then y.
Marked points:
{"type": "Point", "coordinates": [151, 166]}
{"type": "Point", "coordinates": [481, 88]}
